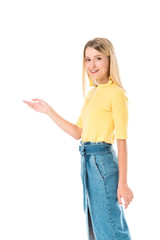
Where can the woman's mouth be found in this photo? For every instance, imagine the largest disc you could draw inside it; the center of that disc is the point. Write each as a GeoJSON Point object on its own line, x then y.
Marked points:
{"type": "Point", "coordinates": [94, 71]}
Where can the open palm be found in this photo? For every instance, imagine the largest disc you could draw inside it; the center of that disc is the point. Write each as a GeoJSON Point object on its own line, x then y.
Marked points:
{"type": "Point", "coordinates": [39, 105]}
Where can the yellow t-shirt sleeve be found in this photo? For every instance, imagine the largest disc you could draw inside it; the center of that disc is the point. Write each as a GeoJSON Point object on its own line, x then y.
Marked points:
{"type": "Point", "coordinates": [120, 114]}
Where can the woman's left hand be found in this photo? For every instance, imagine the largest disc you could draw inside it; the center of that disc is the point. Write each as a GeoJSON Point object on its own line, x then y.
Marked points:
{"type": "Point", "coordinates": [125, 192]}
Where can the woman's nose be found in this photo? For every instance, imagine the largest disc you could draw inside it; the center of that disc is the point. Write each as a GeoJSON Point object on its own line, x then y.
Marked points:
{"type": "Point", "coordinates": [92, 63]}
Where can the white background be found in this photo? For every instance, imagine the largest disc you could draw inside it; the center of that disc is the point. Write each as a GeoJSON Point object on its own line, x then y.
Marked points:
{"type": "Point", "coordinates": [41, 46]}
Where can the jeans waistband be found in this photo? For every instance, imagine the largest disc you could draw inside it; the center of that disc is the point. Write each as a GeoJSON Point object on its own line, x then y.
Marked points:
{"type": "Point", "coordinates": [89, 147]}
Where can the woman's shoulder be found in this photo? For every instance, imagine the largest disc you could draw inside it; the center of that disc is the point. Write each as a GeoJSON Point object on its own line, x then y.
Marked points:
{"type": "Point", "coordinates": [118, 91]}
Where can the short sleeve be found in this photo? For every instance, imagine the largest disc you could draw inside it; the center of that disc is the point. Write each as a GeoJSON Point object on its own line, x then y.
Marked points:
{"type": "Point", "coordinates": [79, 122]}
{"type": "Point", "coordinates": [120, 114]}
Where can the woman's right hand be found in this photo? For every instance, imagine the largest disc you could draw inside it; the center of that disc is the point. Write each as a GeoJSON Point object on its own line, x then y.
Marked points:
{"type": "Point", "coordinates": [39, 105]}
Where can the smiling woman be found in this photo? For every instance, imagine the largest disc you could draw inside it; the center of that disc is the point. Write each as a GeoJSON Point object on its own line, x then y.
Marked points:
{"type": "Point", "coordinates": [103, 117]}
{"type": "Point", "coordinates": [100, 53]}
{"type": "Point", "coordinates": [97, 65]}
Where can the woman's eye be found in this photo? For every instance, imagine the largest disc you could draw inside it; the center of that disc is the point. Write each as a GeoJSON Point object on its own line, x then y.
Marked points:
{"type": "Point", "coordinates": [87, 59]}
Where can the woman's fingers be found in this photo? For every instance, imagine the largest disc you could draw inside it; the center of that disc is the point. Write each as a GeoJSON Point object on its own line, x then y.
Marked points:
{"type": "Point", "coordinates": [30, 104]}
{"type": "Point", "coordinates": [39, 105]}
{"type": "Point", "coordinates": [36, 99]}
{"type": "Point", "coordinates": [128, 200]}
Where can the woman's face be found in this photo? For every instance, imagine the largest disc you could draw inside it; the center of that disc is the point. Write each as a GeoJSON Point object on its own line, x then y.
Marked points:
{"type": "Point", "coordinates": [97, 65]}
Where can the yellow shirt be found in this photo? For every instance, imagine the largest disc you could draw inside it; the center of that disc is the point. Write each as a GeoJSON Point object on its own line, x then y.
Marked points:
{"type": "Point", "coordinates": [104, 114]}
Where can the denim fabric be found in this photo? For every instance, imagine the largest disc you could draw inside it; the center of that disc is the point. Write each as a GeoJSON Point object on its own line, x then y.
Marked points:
{"type": "Point", "coordinates": [99, 173]}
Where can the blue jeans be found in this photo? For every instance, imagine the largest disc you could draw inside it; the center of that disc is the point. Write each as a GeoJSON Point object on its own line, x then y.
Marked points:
{"type": "Point", "coordinates": [100, 174]}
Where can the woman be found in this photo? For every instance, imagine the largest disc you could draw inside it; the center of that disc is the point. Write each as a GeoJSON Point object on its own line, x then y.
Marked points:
{"type": "Point", "coordinates": [104, 116]}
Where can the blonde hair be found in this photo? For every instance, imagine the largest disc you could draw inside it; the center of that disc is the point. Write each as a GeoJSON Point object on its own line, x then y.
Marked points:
{"type": "Point", "coordinates": [104, 46]}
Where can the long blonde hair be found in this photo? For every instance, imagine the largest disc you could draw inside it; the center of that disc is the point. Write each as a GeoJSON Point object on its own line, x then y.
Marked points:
{"type": "Point", "coordinates": [104, 46]}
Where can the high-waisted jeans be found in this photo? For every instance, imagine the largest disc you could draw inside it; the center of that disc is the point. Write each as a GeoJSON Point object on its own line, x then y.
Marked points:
{"type": "Point", "coordinates": [100, 174]}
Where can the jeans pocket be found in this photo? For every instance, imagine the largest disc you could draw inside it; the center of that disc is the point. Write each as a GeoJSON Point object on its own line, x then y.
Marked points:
{"type": "Point", "coordinates": [99, 165]}
{"type": "Point", "coordinates": [106, 164]}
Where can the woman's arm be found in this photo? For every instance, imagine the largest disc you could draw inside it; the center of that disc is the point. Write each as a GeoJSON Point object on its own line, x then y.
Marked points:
{"type": "Point", "coordinates": [41, 106]}
{"type": "Point", "coordinates": [66, 126]}
{"type": "Point", "coordinates": [122, 160]}
{"type": "Point", "coordinates": [123, 190]}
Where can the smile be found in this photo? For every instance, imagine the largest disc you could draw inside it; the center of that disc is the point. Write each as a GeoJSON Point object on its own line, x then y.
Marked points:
{"type": "Point", "coordinates": [95, 71]}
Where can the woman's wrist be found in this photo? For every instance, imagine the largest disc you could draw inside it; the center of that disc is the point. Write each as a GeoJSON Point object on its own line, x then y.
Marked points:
{"type": "Point", "coordinates": [48, 110]}
{"type": "Point", "coordinates": [122, 183]}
